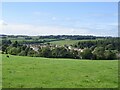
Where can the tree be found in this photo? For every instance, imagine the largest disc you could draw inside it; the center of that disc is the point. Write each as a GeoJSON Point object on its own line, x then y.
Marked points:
{"type": "Point", "coordinates": [32, 53]}
{"type": "Point", "coordinates": [13, 50]}
{"type": "Point", "coordinates": [22, 53]}
{"type": "Point", "coordinates": [109, 47]}
{"type": "Point", "coordinates": [55, 52]}
{"type": "Point", "coordinates": [86, 54]}
{"type": "Point", "coordinates": [15, 44]}
{"type": "Point", "coordinates": [60, 52]}
{"type": "Point", "coordinates": [98, 53]}
{"type": "Point", "coordinates": [9, 42]}
{"type": "Point", "coordinates": [74, 54]}
{"type": "Point", "coordinates": [27, 49]}
{"type": "Point", "coordinates": [6, 42]}
{"type": "Point", "coordinates": [23, 47]}
{"type": "Point", "coordinates": [109, 55]}
{"type": "Point", "coordinates": [63, 52]}
{"type": "Point", "coordinates": [4, 48]}
{"type": "Point", "coordinates": [46, 52]}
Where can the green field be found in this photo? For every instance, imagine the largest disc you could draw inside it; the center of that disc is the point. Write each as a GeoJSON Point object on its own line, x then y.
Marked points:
{"type": "Point", "coordinates": [35, 72]}
{"type": "Point", "coordinates": [69, 42]}
{"type": "Point", "coordinates": [65, 42]}
{"type": "Point", "coordinates": [47, 40]}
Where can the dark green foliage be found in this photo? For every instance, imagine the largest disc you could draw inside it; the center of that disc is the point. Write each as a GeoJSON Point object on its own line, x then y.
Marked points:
{"type": "Point", "coordinates": [110, 55]}
{"type": "Point", "coordinates": [72, 37]}
{"type": "Point", "coordinates": [28, 38]}
{"type": "Point", "coordinates": [87, 54]}
{"type": "Point", "coordinates": [46, 52]}
{"type": "Point", "coordinates": [59, 52]}
{"type": "Point", "coordinates": [4, 48]}
{"type": "Point", "coordinates": [109, 47]}
{"type": "Point", "coordinates": [74, 54]}
{"type": "Point", "coordinates": [27, 49]}
{"type": "Point", "coordinates": [86, 44]}
{"type": "Point", "coordinates": [15, 44]}
{"type": "Point", "coordinates": [32, 53]}
{"type": "Point", "coordinates": [13, 50]}
{"type": "Point", "coordinates": [5, 44]}
{"type": "Point", "coordinates": [98, 53]}
{"type": "Point", "coordinates": [23, 47]}
{"type": "Point", "coordinates": [110, 43]}
{"type": "Point", "coordinates": [22, 53]}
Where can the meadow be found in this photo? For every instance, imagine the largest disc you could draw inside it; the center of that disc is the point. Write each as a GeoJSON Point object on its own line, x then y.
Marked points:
{"type": "Point", "coordinates": [53, 41]}
{"type": "Point", "coordinates": [65, 42]}
{"type": "Point", "coordinates": [37, 72]}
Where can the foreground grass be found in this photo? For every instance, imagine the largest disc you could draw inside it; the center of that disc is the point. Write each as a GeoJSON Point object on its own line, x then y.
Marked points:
{"type": "Point", "coordinates": [24, 72]}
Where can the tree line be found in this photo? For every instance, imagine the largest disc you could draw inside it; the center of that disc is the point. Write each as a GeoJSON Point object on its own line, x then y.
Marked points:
{"type": "Point", "coordinates": [107, 49]}
{"type": "Point", "coordinates": [72, 37]}
{"type": "Point", "coordinates": [108, 44]}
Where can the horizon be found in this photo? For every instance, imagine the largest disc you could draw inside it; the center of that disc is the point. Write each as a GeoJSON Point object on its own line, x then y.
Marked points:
{"type": "Point", "coordinates": [60, 18]}
{"type": "Point", "coordinates": [51, 35]}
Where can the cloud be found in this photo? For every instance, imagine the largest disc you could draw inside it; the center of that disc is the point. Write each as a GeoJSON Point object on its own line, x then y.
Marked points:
{"type": "Point", "coordinates": [109, 29]}
{"type": "Point", "coordinates": [27, 29]}
{"type": "Point", "coordinates": [105, 29]}
{"type": "Point", "coordinates": [113, 24]}
{"type": "Point", "coordinates": [2, 22]}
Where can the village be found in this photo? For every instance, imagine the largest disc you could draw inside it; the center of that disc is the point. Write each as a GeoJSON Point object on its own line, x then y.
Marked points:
{"type": "Point", "coordinates": [36, 47]}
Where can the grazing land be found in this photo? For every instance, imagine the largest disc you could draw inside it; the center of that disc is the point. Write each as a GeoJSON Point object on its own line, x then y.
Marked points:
{"type": "Point", "coordinates": [67, 42]}
{"type": "Point", "coordinates": [37, 72]}
{"type": "Point", "coordinates": [57, 40]}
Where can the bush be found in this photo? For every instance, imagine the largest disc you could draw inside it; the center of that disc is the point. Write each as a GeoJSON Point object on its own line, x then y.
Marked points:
{"type": "Point", "coordinates": [46, 52]}
{"type": "Point", "coordinates": [13, 50]}
{"type": "Point", "coordinates": [22, 53]}
{"type": "Point", "coordinates": [98, 53]}
{"type": "Point", "coordinates": [87, 54]}
{"type": "Point", "coordinates": [109, 55]}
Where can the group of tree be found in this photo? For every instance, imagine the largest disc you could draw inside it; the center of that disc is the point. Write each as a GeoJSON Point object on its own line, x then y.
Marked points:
{"type": "Point", "coordinates": [23, 50]}
{"type": "Point", "coordinates": [107, 49]}
{"type": "Point", "coordinates": [108, 44]}
{"type": "Point", "coordinates": [72, 37]}
{"type": "Point", "coordinates": [99, 53]}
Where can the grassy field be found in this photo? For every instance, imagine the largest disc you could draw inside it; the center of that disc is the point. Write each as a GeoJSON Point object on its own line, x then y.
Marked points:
{"type": "Point", "coordinates": [65, 42]}
{"type": "Point", "coordinates": [69, 42]}
{"type": "Point", "coordinates": [46, 40]}
{"type": "Point", "coordinates": [24, 72]}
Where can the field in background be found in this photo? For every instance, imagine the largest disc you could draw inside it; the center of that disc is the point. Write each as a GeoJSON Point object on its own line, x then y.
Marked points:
{"type": "Point", "coordinates": [54, 41]}
{"type": "Point", "coordinates": [33, 72]}
{"type": "Point", "coordinates": [69, 42]}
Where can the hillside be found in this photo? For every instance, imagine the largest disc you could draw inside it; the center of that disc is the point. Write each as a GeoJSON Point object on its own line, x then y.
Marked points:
{"type": "Point", "coordinates": [37, 72]}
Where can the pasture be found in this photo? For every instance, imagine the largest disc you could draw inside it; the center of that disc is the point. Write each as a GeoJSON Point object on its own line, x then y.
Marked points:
{"type": "Point", "coordinates": [69, 42]}
{"type": "Point", "coordinates": [37, 72]}
{"type": "Point", "coordinates": [64, 42]}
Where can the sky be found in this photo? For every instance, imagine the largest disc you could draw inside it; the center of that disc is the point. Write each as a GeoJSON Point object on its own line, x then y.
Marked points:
{"type": "Point", "coordinates": [60, 18]}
